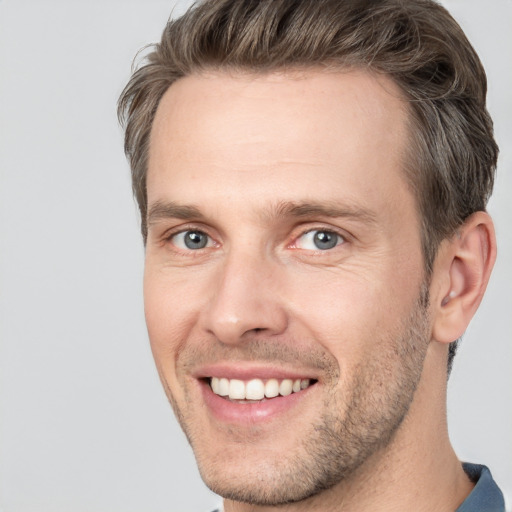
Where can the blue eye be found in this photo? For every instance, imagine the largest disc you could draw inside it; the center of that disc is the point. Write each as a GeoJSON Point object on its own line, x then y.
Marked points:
{"type": "Point", "coordinates": [319, 240]}
{"type": "Point", "coordinates": [191, 240]}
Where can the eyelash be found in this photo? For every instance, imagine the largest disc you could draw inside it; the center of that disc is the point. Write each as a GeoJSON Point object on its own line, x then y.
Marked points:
{"type": "Point", "coordinates": [168, 237]}
{"type": "Point", "coordinates": [342, 238]}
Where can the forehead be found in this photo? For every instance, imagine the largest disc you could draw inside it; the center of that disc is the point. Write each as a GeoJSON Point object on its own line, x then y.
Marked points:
{"type": "Point", "coordinates": [279, 135]}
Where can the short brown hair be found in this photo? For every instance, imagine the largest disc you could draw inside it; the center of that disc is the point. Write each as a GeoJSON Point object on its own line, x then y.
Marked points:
{"type": "Point", "coordinates": [452, 155]}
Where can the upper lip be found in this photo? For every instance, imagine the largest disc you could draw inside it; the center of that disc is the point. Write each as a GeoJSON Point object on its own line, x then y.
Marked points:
{"type": "Point", "coordinates": [245, 371]}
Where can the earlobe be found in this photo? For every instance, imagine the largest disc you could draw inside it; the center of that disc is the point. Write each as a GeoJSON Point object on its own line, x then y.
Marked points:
{"type": "Point", "coordinates": [462, 271]}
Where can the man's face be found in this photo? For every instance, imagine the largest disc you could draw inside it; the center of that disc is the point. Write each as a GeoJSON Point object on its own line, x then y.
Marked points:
{"type": "Point", "coordinates": [284, 257]}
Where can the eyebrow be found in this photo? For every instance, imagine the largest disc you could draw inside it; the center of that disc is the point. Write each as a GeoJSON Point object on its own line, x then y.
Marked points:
{"type": "Point", "coordinates": [303, 209]}
{"type": "Point", "coordinates": [324, 209]}
{"type": "Point", "coordinates": [170, 210]}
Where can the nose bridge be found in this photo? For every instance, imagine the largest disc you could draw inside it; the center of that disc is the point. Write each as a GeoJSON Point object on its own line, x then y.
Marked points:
{"type": "Point", "coordinates": [244, 298]}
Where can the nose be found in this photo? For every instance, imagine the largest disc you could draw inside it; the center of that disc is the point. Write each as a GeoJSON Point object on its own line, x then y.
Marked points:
{"type": "Point", "coordinates": [245, 300]}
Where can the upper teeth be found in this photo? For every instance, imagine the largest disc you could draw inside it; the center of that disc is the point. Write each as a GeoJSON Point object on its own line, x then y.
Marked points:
{"type": "Point", "coordinates": [256, 389]}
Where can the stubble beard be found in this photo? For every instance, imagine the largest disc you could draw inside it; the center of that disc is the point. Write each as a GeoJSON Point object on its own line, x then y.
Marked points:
{"type": "Point", "coordinates": [334, 446]}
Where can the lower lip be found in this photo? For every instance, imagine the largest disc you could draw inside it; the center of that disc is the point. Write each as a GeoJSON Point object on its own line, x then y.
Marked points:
{"type": "Point", "coordinates": [251, 412]}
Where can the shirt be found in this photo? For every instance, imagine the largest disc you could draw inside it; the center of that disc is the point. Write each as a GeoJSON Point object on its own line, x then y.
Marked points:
{"type": "Point", "coordinates": [486, 495]}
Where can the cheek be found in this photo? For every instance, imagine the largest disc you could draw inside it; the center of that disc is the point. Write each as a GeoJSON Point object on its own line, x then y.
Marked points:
{"type": "Point", "coordinates": [348, 312]}
{"type": "Point", "coordinates": [169, 317]}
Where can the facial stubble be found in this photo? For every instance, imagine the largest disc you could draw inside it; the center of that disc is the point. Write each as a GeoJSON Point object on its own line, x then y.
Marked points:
{"type": "Point", "coordinates": [352, 428]}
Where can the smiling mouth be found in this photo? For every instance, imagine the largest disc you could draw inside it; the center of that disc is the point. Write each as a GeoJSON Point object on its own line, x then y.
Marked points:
{"type": "Point", "coordinates": [257, 389]}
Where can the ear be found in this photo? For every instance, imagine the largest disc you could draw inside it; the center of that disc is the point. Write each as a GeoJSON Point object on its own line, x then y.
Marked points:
{"type": "Point", "coordinates": [461, 272]}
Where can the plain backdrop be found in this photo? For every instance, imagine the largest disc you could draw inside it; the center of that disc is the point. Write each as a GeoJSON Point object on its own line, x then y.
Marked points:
{"type": "Point", "coordinates": [84, 424]}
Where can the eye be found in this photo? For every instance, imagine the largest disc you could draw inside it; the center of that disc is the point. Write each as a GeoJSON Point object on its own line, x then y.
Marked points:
{"type": "Point", "coordinates": [191, 240]}
{"type": "Point", "coordinates": [319, 240]}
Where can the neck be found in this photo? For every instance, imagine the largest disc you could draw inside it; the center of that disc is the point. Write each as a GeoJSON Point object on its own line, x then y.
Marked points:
{"type": "Point", "coordinates": [418, 470]}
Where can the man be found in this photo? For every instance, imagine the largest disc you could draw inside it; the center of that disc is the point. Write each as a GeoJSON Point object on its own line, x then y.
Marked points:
{"type": "Point", "coordinates": [312, 179]}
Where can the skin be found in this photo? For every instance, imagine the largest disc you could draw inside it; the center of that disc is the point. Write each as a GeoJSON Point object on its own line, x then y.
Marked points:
{"type": "Point", "coordinates": [257, 163]}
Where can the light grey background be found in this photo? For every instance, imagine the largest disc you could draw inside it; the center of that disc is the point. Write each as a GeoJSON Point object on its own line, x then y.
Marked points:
{"type": "Point", "coordinates": [84, 423]}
